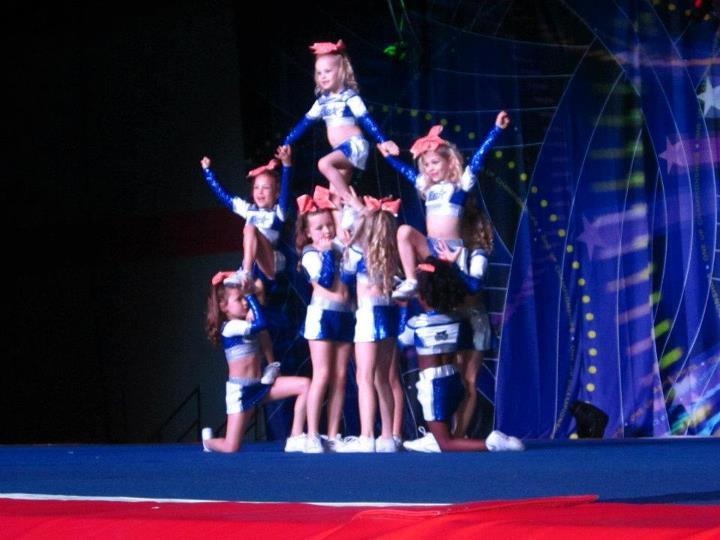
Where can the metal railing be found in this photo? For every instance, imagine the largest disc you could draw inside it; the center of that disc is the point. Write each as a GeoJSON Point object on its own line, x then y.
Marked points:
{"type": "Point", "coordinates": [193, 396]}
{"type": "Point", "coordinates": [182, 433]}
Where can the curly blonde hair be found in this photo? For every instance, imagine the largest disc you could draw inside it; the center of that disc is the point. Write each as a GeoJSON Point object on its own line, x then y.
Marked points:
{"type": "Point", "coordinates": [452, 155]}
{"type": "Point", "coordinates": [346, 72]}
{"type": "Point", "coordinates": [377, 236]}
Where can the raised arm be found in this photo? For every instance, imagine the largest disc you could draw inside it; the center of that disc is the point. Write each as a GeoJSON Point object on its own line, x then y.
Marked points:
{"type": "Point", "coordinates": [220, 193]}
{"type": "Point", "coordinates": [502, 121]}
{"type": "Point", "coordinates": [245, 328]}
{"type": "Point", "coordinates": [283, 153]}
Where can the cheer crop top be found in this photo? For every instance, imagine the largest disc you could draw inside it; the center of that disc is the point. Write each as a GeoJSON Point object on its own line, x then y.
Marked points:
{"type": "Point", "coordinates": [337, 109]}
{"type": "Point", "coordinates": [269, 221]}
{"type": "Point", "coordinates": [322, 267]}
{"type": "Point", "coordinates": [437, 333]}
{"type": "Point", "coordinates": [238, 336]}
{"type": "Point", "coordinates": [447, 198]}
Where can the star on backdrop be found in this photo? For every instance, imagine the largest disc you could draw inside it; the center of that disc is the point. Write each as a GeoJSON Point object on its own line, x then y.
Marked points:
{"type": "Point", "coordinates": [710, 98]}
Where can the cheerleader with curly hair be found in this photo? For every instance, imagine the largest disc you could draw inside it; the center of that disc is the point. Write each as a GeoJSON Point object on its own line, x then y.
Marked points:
{"type": "Point", "coordinates": [373, 260]}
{"type": "Point", "coordinates": [445, 186]}
{"type": "Point", "coordinates": [437, 335]}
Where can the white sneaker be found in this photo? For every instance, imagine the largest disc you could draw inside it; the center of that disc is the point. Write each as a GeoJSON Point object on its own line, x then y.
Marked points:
{"type": "Point", "coordinates": [313, 445]}
{"type": "Point", "coordinates": [497, 441]}
{"type": "Point", "coordinates": [385, 445]}
{"type": "Point", "coordinates": [239, 278]}
{"type": "Point", "coordinates": [271, 372]}
{"type": "Point", "coordinates": [295, 443]}
{"type": "Point", "coordinates": [406, 290]}
{"type": "Point", "coordinates": [331, 445]}
{"type": "Point", "coordinates": [426, 443]}
{"type": "Point", "coordinates": [205, 435]}
{"type": "Point", "coordinates": [356, 444]}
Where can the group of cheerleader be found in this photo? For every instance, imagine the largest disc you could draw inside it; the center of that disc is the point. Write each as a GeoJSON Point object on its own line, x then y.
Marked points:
{"type": "Point", "coordinates": [363, 269]}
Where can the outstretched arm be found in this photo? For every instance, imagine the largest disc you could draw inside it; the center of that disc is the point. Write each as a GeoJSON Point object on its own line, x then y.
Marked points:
{"type": "Point", "coordinates": [298, 131]}
{"type": "Point", "coordinates": [403, 168]}
{"type": "Point", "coordinates": [303, 125]}
{"type": "Point", "coordinates": [220, 193]}
{"type": "Point", "coordinates": [386, 146]}
{"type": "Point", "coordinates": [284, 154]}
{"type": "Point", "coordinates": [502, 121]}
{"type": "Point", "coordinates": [359, 110]}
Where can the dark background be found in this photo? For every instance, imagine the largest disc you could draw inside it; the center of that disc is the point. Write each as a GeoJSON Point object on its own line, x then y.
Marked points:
{"type": "Point", "coordinates": [111, 232]}
{"type": "Point", "coordinates": [112, 108]}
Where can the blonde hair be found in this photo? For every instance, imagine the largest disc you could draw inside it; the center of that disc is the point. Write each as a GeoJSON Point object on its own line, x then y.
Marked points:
{"type": "Point", "coordinates": [452, 155]}
{"type": "Point", "coordinates": [346, 72]}
{"type": "Point", "coordinates": [377, 236]}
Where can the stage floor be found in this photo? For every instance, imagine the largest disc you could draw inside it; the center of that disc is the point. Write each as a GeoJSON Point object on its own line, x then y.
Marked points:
{"type": "Point", "coordinates": [673, 470]}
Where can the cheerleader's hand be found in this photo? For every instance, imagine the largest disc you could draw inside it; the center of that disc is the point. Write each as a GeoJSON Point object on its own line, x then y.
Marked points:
{"type": "Point", "coordinates": [445, 253]}
{"type": "Point", "coordinates": [284, 154]}
{"type": "Point", "coordinates": [503, 120]}
{"type": "Point", "coordinates": [388, 148]}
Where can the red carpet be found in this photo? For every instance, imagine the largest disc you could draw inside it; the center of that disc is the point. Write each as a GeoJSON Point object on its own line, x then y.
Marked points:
{"type": "Point", "coordinates": [556, 518]}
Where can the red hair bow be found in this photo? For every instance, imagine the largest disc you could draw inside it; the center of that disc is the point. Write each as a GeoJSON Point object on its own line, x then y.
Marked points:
{"type": "Point", "coordinates": [218, 278]}
{"type": "Point", "coordinates": [386, 203]}
{"type": "Point", "coordinates": [425, 267]}
{"type": "Point", "coordinates": [320, 200]}
{"type": "Point", "coordinates": [326, 47]}
{"type": "Point", "coordinates": [271, 166]}
{"type": "Point", "coordinates": [428, 143]}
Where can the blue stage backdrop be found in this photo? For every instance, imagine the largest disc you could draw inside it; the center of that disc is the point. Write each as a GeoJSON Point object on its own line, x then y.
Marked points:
{"type": "Point", "coordinates": [604, 285]}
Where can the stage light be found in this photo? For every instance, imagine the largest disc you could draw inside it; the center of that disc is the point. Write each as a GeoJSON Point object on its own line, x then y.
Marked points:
{"type": "Point", "coordinates": [396, 51]}
{"type": "Point", "coordinates": [703, 8]}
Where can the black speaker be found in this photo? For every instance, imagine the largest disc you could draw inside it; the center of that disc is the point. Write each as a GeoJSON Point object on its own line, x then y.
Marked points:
{"type": "Point", "coordinates": [591, 421]}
